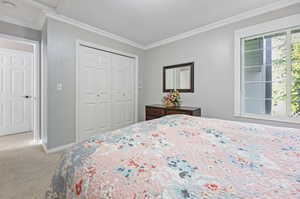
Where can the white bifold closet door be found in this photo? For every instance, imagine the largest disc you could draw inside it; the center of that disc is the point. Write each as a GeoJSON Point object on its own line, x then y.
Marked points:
{"type": "Point", "coordinates": [105, 98]}
{"type": "Point", "coordinates": [122, 91]}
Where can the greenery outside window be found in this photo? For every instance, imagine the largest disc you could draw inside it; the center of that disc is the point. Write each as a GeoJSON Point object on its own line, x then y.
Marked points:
{"type": "Point", "coordinates": [270, 74]}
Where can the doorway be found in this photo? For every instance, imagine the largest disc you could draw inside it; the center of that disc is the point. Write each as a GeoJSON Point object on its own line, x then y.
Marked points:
{"type": "Point", "coordinates": [19, 87]}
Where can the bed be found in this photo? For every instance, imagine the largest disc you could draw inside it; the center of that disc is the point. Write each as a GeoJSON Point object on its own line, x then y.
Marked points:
{"type": "Point", "coordinates": [181, 156]}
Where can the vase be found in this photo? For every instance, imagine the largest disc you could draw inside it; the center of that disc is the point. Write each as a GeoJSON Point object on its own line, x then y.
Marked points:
{"type": "Point", "coordinates": [171, 104]}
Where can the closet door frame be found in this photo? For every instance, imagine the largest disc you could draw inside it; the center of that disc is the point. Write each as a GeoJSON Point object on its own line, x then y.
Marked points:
{"type": "Point", "coordinates": [104, 48]}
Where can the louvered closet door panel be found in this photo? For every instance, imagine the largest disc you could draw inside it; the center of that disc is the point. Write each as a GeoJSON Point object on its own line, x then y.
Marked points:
{"type": "Point", "coordinates": [94, 92]}
{"type": "Point", "coordinates": [122, 91]}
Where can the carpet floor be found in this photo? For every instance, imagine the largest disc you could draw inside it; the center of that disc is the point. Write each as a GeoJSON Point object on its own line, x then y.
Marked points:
{"type": "Point", "coordinates": [25, 169]}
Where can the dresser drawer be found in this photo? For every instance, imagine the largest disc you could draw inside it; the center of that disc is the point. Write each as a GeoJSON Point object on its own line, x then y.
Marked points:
{"type": "Point", "coordinates": [155, 112]}
{"type": "Point", "coordinates": [148, 117]}
{"type": "Point", "coordinates": [172, 112]}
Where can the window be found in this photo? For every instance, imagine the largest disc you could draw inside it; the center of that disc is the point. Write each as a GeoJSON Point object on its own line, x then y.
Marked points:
{"type": "Point", "coordinates": [269, 75]}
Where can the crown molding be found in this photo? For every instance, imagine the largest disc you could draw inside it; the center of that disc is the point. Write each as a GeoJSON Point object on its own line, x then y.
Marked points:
{"type": "Point", "coordinates": [51, 13]}
{"type": "Point", "coordinates": [42, 6]}
{"type": "Point", "coordinates": [93, 29]}
{"type": "Point", "coordinates": [20, 23]}
{"type": "Point", "coordinates": [36, 26]}
{"type": "Point", "coordinates": [224, 22]}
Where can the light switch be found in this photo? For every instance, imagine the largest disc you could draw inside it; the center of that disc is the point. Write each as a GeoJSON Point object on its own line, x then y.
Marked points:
{"type": "Point", "coordinates": [59, 86]}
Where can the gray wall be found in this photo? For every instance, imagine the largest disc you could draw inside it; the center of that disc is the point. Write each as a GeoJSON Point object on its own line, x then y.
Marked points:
{"type": "Point", "coordinates": [61, 38]}
{"type": "Point", "coordinates": [44, 61]}
{"type": "Point", "coordinates": [213, 54]}
{"type": "Point", "coordinates": [211, 51]}
{"type": "Point", "coordinates": [19, 31]}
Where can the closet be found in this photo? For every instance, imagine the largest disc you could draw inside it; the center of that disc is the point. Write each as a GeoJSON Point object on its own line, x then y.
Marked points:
{"type": "Point", "coordinates": [105, 91]}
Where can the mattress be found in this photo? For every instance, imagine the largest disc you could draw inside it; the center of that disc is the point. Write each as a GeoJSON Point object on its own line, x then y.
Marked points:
{"type": "Point", "coordinates": [181, 156]}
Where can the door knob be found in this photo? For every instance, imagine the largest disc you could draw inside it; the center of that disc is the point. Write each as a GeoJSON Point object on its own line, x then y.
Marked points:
{"type": "Point", "coordinates": [27, 96]}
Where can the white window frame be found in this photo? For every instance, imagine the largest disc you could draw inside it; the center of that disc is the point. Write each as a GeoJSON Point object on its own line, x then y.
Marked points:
{"type": "Point", "coordinates": [281, 24]}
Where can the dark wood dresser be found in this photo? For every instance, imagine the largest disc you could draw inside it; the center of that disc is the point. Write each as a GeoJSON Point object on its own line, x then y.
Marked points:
{"type": "Point", "coordinates": [157, 111]}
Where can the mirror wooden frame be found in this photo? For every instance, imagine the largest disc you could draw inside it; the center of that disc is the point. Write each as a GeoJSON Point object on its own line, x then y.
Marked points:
{"type": "Point", "coordinates": [191, 90]}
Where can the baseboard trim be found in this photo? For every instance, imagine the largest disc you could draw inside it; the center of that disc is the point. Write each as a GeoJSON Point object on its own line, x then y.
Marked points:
{"type": "Point", "coordinates": [57, 149]}
{"type": "Point", "coordinates": [14, 133]}
{"type": "Point", "coordinates": [44, 147]}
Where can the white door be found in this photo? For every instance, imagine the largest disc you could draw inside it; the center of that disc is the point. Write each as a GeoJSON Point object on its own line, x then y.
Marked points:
{"type": "Point", "coordinates": [94, 92]}
{"type": "Point", "coordinates": [122, 91]}
{"type": "Point", "coordinates": [105, 92]}
{"type": "Point", "coordinates": [16, 82]}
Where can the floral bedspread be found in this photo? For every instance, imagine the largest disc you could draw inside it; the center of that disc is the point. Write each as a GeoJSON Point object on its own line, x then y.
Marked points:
{"type": "Point", "coordinates": [183, 157]}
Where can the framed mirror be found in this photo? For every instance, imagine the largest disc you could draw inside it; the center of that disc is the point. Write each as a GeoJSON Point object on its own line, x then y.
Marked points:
{"type": "Point", "coordinates": [179, 77]}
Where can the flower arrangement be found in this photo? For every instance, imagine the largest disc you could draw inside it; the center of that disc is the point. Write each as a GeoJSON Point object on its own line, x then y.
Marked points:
{"type": "Point", "coordinates": [172, 99]}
